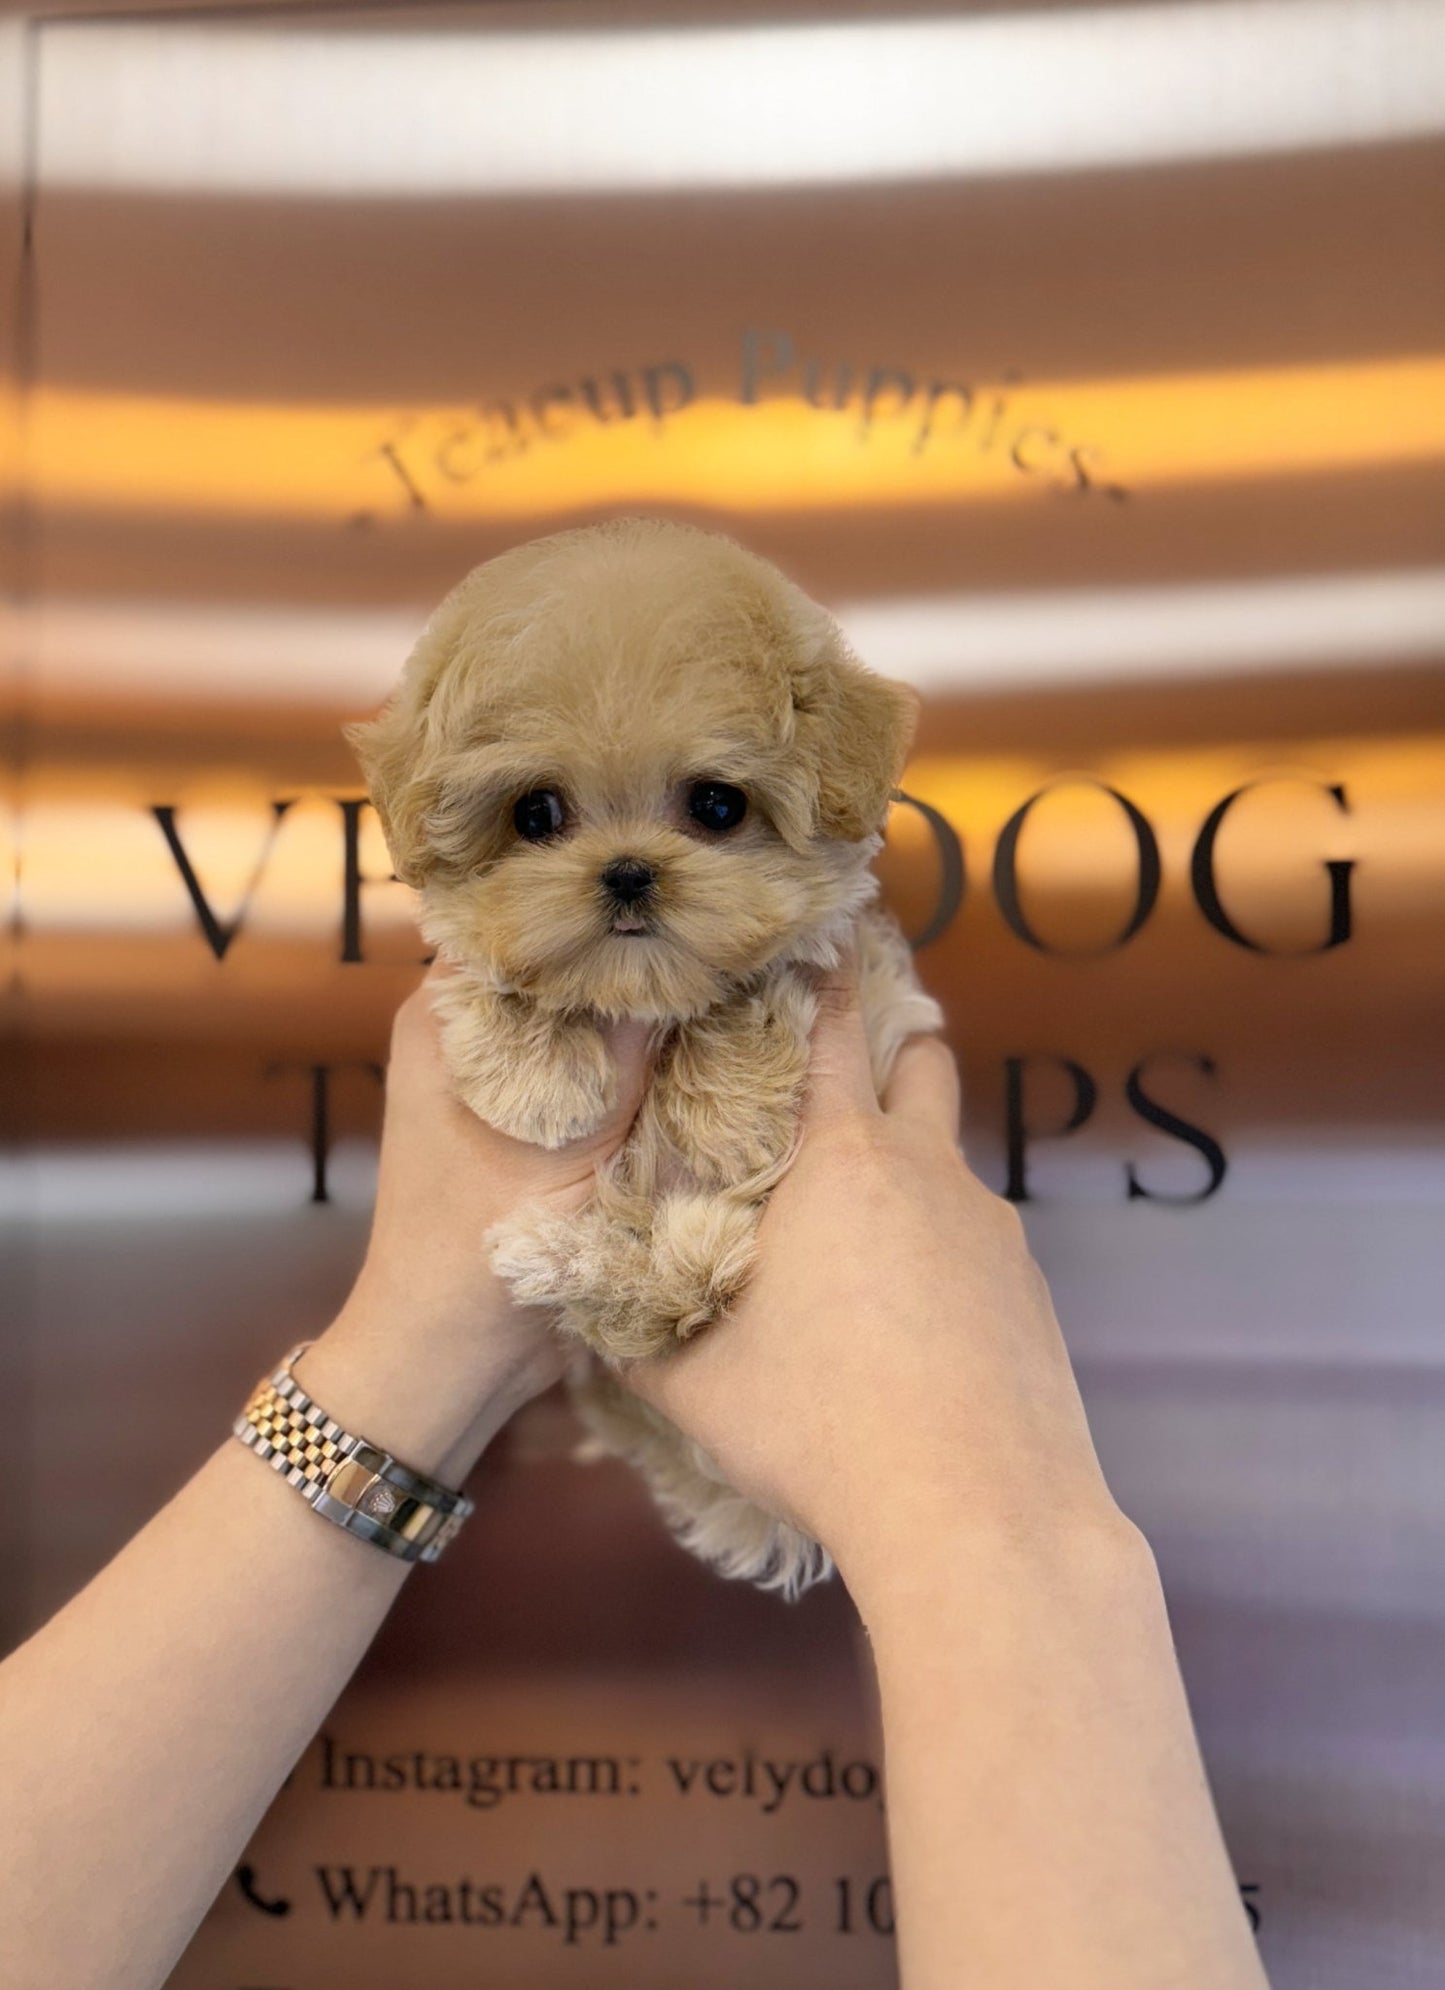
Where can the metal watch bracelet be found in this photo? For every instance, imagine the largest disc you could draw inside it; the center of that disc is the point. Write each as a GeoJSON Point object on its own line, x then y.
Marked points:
{"type": "Point", "coordinates": [354, 1483]}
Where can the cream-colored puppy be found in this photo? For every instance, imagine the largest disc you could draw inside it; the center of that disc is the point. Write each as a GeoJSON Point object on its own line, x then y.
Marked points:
{"type": "Point", "coordinates": [632, 770]}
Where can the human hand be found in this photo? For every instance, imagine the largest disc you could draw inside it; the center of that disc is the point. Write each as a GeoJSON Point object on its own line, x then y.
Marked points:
{"type": "Point", "coordinates": [429, 1332]}
{"type": "Point", "coordinates": [894, 1371]}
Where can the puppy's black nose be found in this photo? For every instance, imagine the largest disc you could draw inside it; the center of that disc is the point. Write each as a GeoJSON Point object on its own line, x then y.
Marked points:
{"type": "Point", "coordinates": [627, 879]}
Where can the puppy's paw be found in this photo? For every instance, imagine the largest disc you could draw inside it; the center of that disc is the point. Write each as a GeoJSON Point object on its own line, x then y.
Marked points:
{"type": "Point", "coordinates": [541, 1078]}
{"type": "Point", "coordinates": [586, 1264]}
{"type": "Point", "coordinates": [701, 1252]}
{"type": "Point", "coordinates": [546, 1105]}
{"type": "Point", "coordinates": [703, 1247]}
{"type": "Point", "coordinates": [543, 1257]}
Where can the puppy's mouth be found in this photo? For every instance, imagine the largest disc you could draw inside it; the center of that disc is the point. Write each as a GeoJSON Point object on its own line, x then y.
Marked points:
{"type": "Point", "coordinates": [633, 923]}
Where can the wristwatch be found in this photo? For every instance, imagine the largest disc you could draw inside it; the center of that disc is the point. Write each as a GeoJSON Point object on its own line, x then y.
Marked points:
{"type": "Point", "coordinates": [348, 1479]}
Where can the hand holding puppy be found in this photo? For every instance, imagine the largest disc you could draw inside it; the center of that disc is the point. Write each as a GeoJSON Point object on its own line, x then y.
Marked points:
{"type": "Point", "coordinates": [894, 1375]}
{"type": "Point", "coordinates": [441, 1344]}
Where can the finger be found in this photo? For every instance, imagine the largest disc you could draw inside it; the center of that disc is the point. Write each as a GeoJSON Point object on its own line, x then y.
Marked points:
{"type": "Point", "coordinates": [840, 1074]}
{"type": "Point", "coordinates": [632, 1046]}
{"type": "Point", "coordinates": [924, 1086]}
{"type": "Point", "coordinates": [674, 1380]}
{"type": "Point", "coordinates": [646, 1379]}
{"type": "Point", "coordinates": [416, 1021]}
{"type": "Point", "coordinates": [416, 1011]}
{"type": "Point", "coordinates": [416, 1049]}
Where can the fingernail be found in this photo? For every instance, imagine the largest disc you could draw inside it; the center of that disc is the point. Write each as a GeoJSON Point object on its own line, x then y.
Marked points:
{"type": "Point", "coordinates": [628, 1038]}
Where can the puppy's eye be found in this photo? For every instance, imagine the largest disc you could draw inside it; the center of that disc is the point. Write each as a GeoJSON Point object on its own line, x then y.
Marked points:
{"type": "Point", "coordinates": [539, 814]}
{"type": "Point", "coordinates": [716, 805]}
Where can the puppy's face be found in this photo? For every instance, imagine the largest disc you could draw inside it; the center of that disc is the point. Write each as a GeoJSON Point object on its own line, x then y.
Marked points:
{"type": "Point", "coordinates": [629, 765]}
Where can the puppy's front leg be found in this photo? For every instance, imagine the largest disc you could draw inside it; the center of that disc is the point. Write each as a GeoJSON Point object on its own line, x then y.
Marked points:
{"type": "Point", "coordinates": [724, 1099]}
{"type": "Point", "coordinates": [728, 1085]}
{"type": "Point", "coordinates": [540, 1076]}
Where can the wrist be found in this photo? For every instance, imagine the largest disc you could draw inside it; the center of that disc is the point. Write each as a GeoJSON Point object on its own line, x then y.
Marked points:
{"type": "Point", "coordinates": [961, 1558]}
{"type": "Point", "coordinates": [434, 1400]}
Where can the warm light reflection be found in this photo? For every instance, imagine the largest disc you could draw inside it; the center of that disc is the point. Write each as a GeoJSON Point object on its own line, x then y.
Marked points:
{"type": "Point", "coordinates": [138, 453]}
{"type": "Point", "coordinates": [96, 859]}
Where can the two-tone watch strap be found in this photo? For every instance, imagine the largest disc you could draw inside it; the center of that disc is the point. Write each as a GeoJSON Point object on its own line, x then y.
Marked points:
{"type": "Point", "coordinates": [348, 1479]}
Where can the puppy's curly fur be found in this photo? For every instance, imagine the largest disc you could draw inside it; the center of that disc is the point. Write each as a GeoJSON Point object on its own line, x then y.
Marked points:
{"type": "Point", "coordinates": [632, 770]}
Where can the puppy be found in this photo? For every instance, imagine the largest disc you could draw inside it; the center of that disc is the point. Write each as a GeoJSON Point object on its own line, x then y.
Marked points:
{"type": "Point", "coordinates": [632, 770]}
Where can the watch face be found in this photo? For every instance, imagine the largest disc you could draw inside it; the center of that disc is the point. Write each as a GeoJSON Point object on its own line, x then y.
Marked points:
{"type": "Point", "coordinates": [1087, 363]}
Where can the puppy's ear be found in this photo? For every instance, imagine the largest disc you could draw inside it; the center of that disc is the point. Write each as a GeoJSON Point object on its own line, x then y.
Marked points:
{"type": "Point", "coordinates": [399, 749]}
{"type": "Point", "coordinates": [857, 727]}
{"type": "Point", "coordinates": [390, 749]}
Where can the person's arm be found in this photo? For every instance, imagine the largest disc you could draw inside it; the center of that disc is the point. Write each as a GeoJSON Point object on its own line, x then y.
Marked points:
{"type": "Point", "coordinates": [1049, 1818]}
{"type": "Point", "coordinates": [894, 1382]}
{"type": "Point", "coordinates": [146, 1728]}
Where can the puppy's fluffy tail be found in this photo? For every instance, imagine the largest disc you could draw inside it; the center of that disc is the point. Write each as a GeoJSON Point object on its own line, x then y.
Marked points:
{"type": "Point", "coordinates": [703, 1511]}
